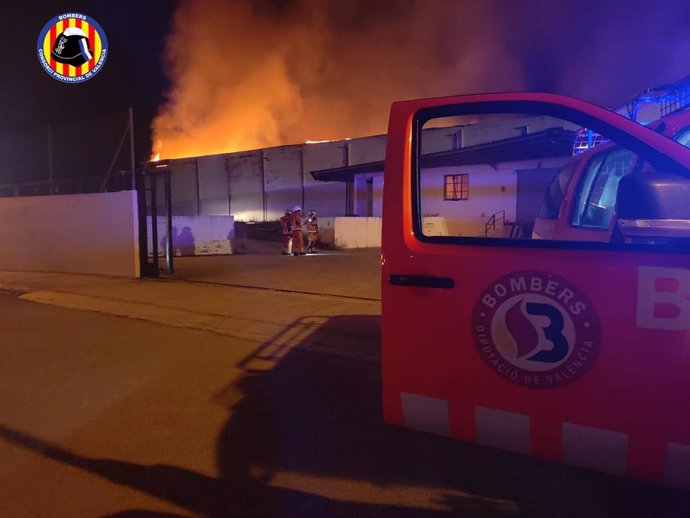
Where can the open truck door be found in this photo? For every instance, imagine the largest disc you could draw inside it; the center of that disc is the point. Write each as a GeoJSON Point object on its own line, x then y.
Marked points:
{"type": "Point", "coordinates": [576, 349]}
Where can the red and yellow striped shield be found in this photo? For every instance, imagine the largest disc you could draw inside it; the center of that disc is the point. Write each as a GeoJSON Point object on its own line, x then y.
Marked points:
{"type": "Point", "coordinates": [90, 46]}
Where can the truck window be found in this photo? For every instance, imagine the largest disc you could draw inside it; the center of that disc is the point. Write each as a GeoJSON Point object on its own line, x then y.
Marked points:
{"type": "Point", "coordinates": [596, 197]}
{"type": "Point", "coordinates": [512, 177]}
{"type": "Point", "coordinates": [683, 137]}
{"type": "Point", "coordinates": [554, 195]}
{"type": "Point", "coordinates": [506, 161]}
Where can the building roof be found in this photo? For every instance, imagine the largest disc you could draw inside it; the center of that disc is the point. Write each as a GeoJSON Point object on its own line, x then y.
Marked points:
{"type": "Point", "coordinates": [550, 143]}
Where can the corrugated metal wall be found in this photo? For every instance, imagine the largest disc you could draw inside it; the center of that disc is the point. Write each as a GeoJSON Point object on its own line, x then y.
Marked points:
{"type": "Point", "coordinates": [259, 185]}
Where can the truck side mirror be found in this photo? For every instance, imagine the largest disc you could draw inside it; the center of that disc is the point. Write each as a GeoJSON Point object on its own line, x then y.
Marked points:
{"type": "Point", "coordinates": [653, 207]}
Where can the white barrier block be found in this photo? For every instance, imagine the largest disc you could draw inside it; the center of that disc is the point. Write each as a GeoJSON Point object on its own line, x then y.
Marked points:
{"type": "Point", "coordinates": [502, 429]}
{"type": "Point", "coordinates": [677, 473]}
{"type": "Point", "coordinates": [594, 448]}
{"type": "Point", "coordinates": [426, 414]}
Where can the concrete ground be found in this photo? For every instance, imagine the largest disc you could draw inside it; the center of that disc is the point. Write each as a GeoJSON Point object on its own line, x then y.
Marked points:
{"type": "Point", "coordinates": [246, 385]}
{"type": "Point", "coordinates": [353, 273]}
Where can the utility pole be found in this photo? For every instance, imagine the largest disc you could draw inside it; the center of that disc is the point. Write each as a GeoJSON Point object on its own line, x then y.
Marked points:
{"type": "Point", "coordinates": [131, 148]}
{"type": "Point", "coordinates": [50, 159]}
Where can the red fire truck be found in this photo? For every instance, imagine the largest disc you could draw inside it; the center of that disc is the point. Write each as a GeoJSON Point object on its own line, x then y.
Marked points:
{"type": "Point", "coordinates": [535, 301]}
{"type": "Point", "coordinates": [580, 201]}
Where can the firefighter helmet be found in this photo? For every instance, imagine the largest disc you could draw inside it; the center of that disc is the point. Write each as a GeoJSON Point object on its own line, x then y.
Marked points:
{"type": "Point", "coordinates": [71, 47]}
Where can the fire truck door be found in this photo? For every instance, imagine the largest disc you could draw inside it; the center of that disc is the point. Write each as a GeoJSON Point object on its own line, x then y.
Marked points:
{"type": "Point", "coordinates": [566, 349]}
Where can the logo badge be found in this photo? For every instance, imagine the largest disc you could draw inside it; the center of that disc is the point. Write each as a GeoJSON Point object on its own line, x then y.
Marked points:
{"type": "Point", "coordinates": [72, 48]}
{"type": "Point", "coordinates": [536, 330]}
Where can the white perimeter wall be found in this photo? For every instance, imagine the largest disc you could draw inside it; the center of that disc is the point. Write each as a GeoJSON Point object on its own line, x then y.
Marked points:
{"type": "Point", "coordinates": [349, 232]}
{"type": "Point", "coordinates": [79, 233]}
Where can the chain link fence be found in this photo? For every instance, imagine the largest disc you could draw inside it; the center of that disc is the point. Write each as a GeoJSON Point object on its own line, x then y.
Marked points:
{"type": "Point", "coordinates": [90, 155]}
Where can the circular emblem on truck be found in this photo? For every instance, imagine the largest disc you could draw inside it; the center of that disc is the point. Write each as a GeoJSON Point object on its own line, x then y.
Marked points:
{"type": "Point", "coordinates": [72, 48]}
{"type": "Point", "coordinates": [536, 330]}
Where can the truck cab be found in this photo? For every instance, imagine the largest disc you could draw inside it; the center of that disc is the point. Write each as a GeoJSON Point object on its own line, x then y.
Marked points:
{"type": "Point", "coordinates": [580, 202]}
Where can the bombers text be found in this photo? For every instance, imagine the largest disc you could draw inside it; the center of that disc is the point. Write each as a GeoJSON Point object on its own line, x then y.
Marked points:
{"type": "Point", "coordinates": [534, 284]}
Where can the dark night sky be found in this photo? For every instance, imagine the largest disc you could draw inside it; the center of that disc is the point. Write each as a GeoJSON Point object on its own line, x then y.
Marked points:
{"type": "Point", "coordinates": [132, 75]}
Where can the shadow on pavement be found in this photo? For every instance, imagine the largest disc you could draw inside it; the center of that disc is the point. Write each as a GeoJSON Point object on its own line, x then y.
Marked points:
{"type": "Point", "coordinates": [305, 438]}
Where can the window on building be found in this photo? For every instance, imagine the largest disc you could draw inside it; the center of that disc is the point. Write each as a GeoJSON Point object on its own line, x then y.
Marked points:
{"type": "Point", "coordinates": [457, 187]}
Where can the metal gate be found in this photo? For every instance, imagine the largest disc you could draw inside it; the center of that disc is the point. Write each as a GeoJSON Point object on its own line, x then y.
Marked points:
{"type": "Point", "coordinates": [155, 218]}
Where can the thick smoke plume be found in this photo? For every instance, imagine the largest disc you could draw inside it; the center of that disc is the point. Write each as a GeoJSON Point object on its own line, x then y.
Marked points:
{"type": "Point", "coordinates": [247, 74]}
{"type": "Point", "coordinates": [253, 74]}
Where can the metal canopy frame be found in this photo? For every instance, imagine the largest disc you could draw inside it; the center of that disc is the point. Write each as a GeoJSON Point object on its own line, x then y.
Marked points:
{"type": "Point", "coordinates": [147, 184]}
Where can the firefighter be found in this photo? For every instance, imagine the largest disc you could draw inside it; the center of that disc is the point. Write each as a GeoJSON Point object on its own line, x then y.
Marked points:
{"type": "Point", "coordinates": [312, 232]}
{"type": "Point", "coordinates": [296, 227]}
{"type": "Point", "coordinates": [286, 232]}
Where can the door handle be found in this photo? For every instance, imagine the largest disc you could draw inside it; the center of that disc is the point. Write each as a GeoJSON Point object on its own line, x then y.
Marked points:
{"type": "Point", "coordinates": [422, 281]}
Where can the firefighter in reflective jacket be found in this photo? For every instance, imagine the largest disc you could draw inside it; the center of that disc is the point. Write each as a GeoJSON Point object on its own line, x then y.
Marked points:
{"type": "Point", "coordinates": [296, 227]}
{"type": "Point", "coordinates": [286, 231]}
{"type": "Point", "coordinates": [312, 232]}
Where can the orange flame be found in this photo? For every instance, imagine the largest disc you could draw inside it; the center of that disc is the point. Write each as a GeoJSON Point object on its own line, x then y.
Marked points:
{"type": "Point", "coordinates": [246, 78]}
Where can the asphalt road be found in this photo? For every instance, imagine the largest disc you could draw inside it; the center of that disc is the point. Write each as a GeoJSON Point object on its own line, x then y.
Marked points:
{"type": "Point", "coordinates": [212, 398]}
